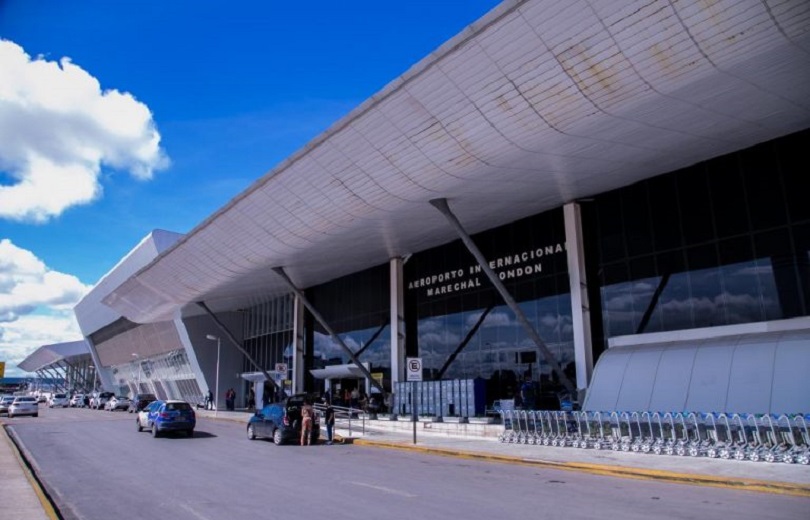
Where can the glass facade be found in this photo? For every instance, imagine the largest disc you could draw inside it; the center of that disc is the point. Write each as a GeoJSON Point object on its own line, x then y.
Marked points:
{"type": "Point", "coordinates": [168, 376]}
{"type": "Point", "coordinates": [356, 307]}
{"type": "Point", "coordinates": [268, 333]}
{"type": "Point", "coordinates": [460, 327]}
{"type": "Point", "coordinates": [723, 242]}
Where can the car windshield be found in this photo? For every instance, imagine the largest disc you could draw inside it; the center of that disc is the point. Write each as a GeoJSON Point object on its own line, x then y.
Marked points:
{"type": "Point", "coordinates": [8, 399]}
{"type": "Point", "coordinates": [25, 400]}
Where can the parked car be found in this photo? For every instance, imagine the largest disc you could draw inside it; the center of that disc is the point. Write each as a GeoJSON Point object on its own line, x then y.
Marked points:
{"type": "Point", "coordinates": [282, 421]}
{"type": "Point", "coordinates": [24, 405]}
{"type": "Point", "coordinates": [77, 401]}
{"type": "Point", "coordinates": [58, 401]}
{"type": "Point", "coordinates": [117, 402]}
{"type": "Point", "coordinates": [99, 400]}
{"type": "Point", "coordinates": [166, 416]}
{"type": "Point", "coordinates": [5, 402]}
{"type": "Point", "coordinates": [141, 401]}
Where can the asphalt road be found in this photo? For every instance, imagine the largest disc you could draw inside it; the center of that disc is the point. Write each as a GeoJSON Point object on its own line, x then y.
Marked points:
{"type": "Point", "coordinates": [95, 465]}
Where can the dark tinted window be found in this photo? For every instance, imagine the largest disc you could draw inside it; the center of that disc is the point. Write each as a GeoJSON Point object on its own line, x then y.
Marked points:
{"type": "Point", "coordinates": [177, 406]}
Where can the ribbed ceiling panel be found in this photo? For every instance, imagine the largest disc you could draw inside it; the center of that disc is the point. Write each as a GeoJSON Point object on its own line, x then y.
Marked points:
{"type": "Point", "coordinates": [538, 103]}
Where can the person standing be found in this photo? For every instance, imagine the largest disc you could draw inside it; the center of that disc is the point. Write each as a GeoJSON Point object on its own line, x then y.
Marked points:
{"type": "Point", "coordinates": [329, 419]}
{"type": "Point", "coordinates": [307, 413]}
{"type": "Point", "coordinates": [209, 400]}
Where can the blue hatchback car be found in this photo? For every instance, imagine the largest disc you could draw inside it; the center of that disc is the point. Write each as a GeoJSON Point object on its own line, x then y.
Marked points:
{"type": "Point", "coordinates": [167, 416]}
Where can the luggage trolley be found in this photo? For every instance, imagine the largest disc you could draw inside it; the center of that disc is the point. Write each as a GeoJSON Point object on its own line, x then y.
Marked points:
{"type": "Point", "coordinates": [508, 433]}
{"type": "Point", "coordinates": [803, 456]}
{"type": "Point", "coordinates": [661, 437]}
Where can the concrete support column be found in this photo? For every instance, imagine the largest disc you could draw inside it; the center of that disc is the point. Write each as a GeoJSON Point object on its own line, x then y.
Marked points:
{"type": "Point", "coordinates": [580, 313]}
{"type": "Point", "coordinates": [397, 323]}
{"type": "Point", "coordinates": [298, 346]}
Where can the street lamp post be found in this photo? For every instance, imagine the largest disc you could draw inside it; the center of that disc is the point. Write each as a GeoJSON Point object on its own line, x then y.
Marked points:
{"type": "Point", "coordinates": [216, 386]}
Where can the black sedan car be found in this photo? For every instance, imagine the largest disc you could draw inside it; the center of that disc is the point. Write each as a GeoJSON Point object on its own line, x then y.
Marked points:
{"type": "Point", "coordinates": [140, 401]}
{"type": "Point", "coordinates": [282, 421]}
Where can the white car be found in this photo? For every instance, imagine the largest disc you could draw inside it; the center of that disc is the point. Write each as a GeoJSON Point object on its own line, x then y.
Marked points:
{"type": "Point", "coordinates": [23, 405]}
{"type": "Point", "coordinates": [98, 401]}
{"type": "Point", "coordinates": [117, 402]}
{"type": "Point", "coordinates": [58, 401]}
{"type": "Point", "coordinates": [77, 401]}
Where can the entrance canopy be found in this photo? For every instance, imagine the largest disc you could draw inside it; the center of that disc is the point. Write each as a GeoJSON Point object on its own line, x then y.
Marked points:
{"type": "Point", "coordinates": [350, 371]}
{"type": "Point", "coordinates": [537, 104]}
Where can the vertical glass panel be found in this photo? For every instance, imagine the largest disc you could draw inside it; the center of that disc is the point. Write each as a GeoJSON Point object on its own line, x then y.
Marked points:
{"type": "Point", "coordinates": [696, 205]}
{"type": "Point", "coordinates": [763, 187]}
{"type": "Point", "coordinates": [728, 196]}
{"type": "Point", "coordinates": [707, 299]}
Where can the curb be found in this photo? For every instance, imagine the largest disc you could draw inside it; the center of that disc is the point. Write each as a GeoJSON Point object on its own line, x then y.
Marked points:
{"type": "Point", "coordinates": [47, 506]}
{"type": "Point", "coordinates": [761, 486]}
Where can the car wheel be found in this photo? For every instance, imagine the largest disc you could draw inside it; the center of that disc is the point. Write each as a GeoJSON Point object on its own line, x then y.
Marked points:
{"type": "Point", "coordinates": [251, 432]}
{"type": "Point", "coordinates": [277, 438]}
{"type": "Point", "coordinates": [155, 431]}
{"type": "Point", "coordinates": [138, 422]}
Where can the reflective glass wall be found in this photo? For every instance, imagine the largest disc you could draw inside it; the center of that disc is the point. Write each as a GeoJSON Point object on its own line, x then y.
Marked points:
{"type": "Point", "coordinates": [268, 334]}
{"type": "Point", "coordinates": [723, 242]}
{"type": "Point", "coordinates": [356, 307]}
{"type": "Point", "coordinates": [459, 325]}
{"type": "Point", "coordinates": [168, 376]}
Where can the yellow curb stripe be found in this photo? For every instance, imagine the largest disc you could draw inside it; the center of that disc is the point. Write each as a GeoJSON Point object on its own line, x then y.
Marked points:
{"type": "Point", "coordinates": [762, 486]}
{"type": "Point", "coordinates": [46, 504]}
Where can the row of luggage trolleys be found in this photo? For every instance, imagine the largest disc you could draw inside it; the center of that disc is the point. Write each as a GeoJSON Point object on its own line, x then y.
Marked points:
{"type": "Point", "coordinates": [754, 437]}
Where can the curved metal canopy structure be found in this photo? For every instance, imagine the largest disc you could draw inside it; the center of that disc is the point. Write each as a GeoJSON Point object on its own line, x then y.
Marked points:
{"type": "Point", "coordinates": [537, 104]}
{"type": "Point", "coordinates": [52, 356]}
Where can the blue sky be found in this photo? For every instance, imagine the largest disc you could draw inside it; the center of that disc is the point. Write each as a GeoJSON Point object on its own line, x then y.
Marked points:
{"type": "Point", "coordinates": [194, 101]}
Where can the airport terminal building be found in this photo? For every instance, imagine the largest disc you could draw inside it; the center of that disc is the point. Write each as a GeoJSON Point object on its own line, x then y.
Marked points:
{"type": "Point", "coordinates": [601, 198]}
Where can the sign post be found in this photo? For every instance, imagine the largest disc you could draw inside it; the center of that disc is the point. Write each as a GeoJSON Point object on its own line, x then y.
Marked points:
{"type": "Point", "coordinates": [413, 374]}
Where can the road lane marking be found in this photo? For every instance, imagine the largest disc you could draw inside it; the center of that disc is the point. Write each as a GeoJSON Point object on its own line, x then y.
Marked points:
{"type": "Point", "coordinates": [385, 489]}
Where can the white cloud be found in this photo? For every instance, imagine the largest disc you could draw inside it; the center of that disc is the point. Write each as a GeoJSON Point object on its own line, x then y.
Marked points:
{"type": "Point", "coordinates": [36, 305]}
{"type": "Point", "coordinates": [58, 128]}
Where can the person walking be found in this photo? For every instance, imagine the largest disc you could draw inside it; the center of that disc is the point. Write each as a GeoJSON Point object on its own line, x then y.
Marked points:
{"type": "Point", "coordinates": [307, 413]}
{"type": "Point", "coordinates": [329, 419]}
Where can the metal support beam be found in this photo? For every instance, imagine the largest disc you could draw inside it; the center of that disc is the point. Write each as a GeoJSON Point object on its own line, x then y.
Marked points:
{"type": "Point", "coordinates": [78, 374]}
{"type": "Point", "coordinates": [444, 208]}
{"type": "Point", "coordinates": [653, 303]}
{"type": "Point", "coordinates": [464, 342]}
{"type": "Point", "coordinates": [317, 315]}
{"type": "Point", "coordinates": [221, 326]}
{"type": "Point", "coordinates": [371, 340]}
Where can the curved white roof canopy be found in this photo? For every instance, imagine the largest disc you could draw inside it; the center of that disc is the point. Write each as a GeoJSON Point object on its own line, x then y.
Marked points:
{"type": "Point", "coordinates": [48, 355]}
{"type": "Point", "coordinates": [537, 104]}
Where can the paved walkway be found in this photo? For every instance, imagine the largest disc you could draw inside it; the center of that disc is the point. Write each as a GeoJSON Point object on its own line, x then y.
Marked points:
{"type": "Point", "coordinates": [23, 499]}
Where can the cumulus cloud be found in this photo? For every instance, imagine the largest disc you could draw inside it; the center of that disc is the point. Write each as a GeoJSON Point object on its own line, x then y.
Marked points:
{"type": "Point", "coordinates": [58, 128]}
{"type": "Point", "coordinates": [36, 304]}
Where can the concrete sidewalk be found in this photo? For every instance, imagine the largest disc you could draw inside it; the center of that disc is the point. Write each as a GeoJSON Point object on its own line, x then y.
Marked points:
{"type": "Point", "coordinates": [22, 495]}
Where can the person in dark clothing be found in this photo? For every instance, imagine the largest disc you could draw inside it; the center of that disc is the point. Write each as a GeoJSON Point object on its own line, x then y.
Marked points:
{"type": "Point", "coordinates": [329, 419]}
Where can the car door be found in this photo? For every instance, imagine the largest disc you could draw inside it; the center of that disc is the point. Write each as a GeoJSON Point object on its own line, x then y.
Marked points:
{"type": "Point", "coordinates": [152, 413]}
{"type": "Point", "coordinates": [266, 421]}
